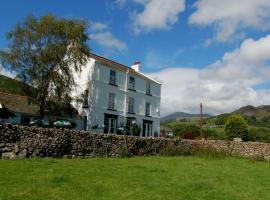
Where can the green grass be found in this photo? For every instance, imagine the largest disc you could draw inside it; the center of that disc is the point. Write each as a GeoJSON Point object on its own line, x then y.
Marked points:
{"type": "Point", "coordinates": [135, 178]}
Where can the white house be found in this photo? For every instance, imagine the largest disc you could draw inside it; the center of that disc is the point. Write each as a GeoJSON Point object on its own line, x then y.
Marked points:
{"type": "Point", "coordinates": [118, 95]}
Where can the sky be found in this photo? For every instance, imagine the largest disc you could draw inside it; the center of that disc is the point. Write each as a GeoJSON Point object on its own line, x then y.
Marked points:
{"type": "Point", "coordinates": [211, 51]}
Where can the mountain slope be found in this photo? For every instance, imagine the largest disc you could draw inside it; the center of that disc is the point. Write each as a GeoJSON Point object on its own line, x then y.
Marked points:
{"type": "Point", "coordinates": [181, 115]}
{"type": "Point", "coordinates": [260, 111]}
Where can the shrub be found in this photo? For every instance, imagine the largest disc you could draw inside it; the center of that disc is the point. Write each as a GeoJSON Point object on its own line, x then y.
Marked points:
{"type": "Point", "coordinates": [259, 134]}
{"type": "Point", "coordinates": [124, 153]}
{"type": "Point", "coordinates": [187, 131]}
{"type": "Point", "coordinates": [236, 126]}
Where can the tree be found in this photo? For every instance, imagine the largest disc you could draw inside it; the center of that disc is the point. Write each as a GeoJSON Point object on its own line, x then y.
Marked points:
{"type": "Point", "coordinates": [45, 53]}
{"type": "Point", "coordinates": [236, 126]}
{"type": "Point", "coordinates": [221, 119]}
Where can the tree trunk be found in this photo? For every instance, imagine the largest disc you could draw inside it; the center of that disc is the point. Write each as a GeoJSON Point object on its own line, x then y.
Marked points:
{"type": "Point", "coordinates": [42, 107]}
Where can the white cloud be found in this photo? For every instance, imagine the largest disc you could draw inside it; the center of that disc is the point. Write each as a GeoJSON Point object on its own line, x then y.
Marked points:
{"type": "Point", "coordinates": [157, 14]}
{"type": "Point", "coordinates": [98, 26]}
{"type": "Point", "coordinates": [222, 86]}
{"type": "Point", "coordinates": [120, 3]}
{"type": "Point", "coordinates": [231, 17]}
{"type": "Point", "coordinates": [99, 33]}
{"type": "Point", "coordinates": [7, 73]}
{"type": "Point", "coordinates": [109, 41]}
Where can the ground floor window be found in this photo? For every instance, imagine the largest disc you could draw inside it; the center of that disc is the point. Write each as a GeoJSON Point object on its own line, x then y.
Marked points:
{"type": "Point", "coordinates": [147, 128]}
{"type": "Point", "coordinates": [110, 123]}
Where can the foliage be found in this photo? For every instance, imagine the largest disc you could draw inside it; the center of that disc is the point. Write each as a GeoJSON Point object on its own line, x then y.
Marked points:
{"type": "Point", "coordinates": [45, 53]}
{"type": "Point", "coordinates": [187, 131]}
{"type": "Point", "coordinates": [13, 86]}
{"type": "Point", "coordinates": [220, 120]}
{"type": "Point", "coordinates": [259, 134]}
{"type": "Point", "coordinates": [214, 134]}
{"type": "Point", "coordinates": [236, 126]}
{"type": "Point", "coordinates": [123, 153]}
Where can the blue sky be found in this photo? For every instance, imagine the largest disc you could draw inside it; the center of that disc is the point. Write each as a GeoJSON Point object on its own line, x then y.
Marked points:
{"type": "Point", "coordinates": [182, 43]}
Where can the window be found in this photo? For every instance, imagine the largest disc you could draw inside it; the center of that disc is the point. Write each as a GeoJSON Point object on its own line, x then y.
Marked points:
{"type": "Point", "coordinates": [131, 105]}
{"type": "Point", "coordinates": [85, 98]}
{"type": "Point", "coordinates": [111, 101]}
{"type": "Point", "coordinates": [148, 88]}
{"type": "Point", "coordinates": [112, 77]}
{"type": "Point", "coordinates": [131, 83]}
{"type": "Point", "coordinates": [148, 109]}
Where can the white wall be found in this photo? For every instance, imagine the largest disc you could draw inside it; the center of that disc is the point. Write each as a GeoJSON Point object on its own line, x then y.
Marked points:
{"type": "Point", "coordinates": [98, 75]}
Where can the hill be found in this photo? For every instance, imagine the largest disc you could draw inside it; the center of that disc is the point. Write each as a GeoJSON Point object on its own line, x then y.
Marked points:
{"type": "Point", "coordinates": [251, 111]}
{"type": "Point", "coordinates": [181, 115]}
{"type": "Point", "coordinates": [13, 86]}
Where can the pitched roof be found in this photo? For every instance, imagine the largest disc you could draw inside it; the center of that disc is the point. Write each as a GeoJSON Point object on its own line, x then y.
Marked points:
{"type": "Point", "coordinates": [18, 103]}
{"type": "Point", "coordinates": [120, 66]}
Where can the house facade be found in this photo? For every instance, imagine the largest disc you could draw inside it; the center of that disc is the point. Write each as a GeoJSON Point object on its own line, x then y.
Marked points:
{"type": "Point", "coordinates": [118, 96]}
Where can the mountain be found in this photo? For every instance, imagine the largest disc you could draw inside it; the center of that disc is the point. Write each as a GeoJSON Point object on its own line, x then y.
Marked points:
{"type": "Point", "coordinates": [260, 111]}
{"type": "Point", "coordinates": [181, 115]}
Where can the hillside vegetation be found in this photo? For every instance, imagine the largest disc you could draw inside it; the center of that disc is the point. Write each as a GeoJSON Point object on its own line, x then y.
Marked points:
{"type": "Point", "coordinates": [13, 86]}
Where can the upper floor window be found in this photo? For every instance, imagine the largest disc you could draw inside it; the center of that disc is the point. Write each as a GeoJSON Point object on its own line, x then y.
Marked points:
{"type": "Point", "coordinates": [111, 102]}
{"type": "Point", "coordinates": [112, 77]}
{"type": "Point", "coordinates": [131, 83]}
{"type": "Point", "coordinates": [131, 105]}
{"type": "Point", "coordinates": [148, 88]}
{"type": "Point", "coordinates": [147, 109]}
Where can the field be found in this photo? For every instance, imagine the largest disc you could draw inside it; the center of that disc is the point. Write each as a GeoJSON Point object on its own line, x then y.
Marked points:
{"type": "Point", "coordinates": [135, 178]}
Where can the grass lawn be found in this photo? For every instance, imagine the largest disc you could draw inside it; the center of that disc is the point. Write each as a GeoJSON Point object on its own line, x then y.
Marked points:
{"type": "Point", "coordinates": [139, 178]}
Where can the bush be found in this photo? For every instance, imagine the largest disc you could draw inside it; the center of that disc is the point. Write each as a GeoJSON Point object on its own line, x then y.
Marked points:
{"type": "Point", "coordinates": [124, 153]}
{"type": "Point", "coordinates": [236, 126]}
{"type": "Point", "coordinates": [259, 134]}
{"type": "Point", "coordinates": [213, 134]}
{"type": "Point", "coordinates": [186, 131]}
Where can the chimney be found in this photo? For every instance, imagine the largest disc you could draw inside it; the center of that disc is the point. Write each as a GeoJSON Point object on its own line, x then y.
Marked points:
{"type": "Point", "coordinates": [136, 66]}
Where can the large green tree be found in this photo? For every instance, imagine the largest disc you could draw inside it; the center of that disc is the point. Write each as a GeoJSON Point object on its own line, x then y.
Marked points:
{"type": "Point", "coordinates": [45, 53]}
{"type": "Point", "coordinates": [236, 126]}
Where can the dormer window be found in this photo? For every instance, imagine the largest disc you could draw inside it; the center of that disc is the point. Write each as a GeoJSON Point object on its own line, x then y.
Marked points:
{"type": "Point", "coordinates": [112, 80]}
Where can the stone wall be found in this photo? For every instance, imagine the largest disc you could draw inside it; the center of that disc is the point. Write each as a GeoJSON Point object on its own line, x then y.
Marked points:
{"type": "Point", "coordinates": [19, 141]}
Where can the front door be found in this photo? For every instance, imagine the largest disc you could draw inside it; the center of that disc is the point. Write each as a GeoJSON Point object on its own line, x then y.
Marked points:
{"type": "Point", "coordinates": [147, 128]}
{"type": "Point", "coordinates": [110, 123]}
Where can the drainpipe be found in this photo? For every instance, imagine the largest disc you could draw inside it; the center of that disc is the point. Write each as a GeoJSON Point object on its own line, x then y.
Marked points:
{"type": "Point", "coordinates": [125, 104]}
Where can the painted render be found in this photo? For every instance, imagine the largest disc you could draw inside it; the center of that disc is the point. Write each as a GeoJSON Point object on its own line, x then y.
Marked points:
{"type": "Point", "coordinates": [95, 78]}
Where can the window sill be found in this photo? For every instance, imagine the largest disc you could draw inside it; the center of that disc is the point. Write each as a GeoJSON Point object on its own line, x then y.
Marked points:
{"type": "Point", "coordinates": [112, 84]}
{"type": "Point", "coordinates": [148, 116]}
{"type": "Point", "coordinates": [148, 94]}
{"type": "Point", "coordinates": [132, 113]}
{"type": "Point", "coordinates": [111, 109]}
{"type": "Point", "coordinates": [131, 89]}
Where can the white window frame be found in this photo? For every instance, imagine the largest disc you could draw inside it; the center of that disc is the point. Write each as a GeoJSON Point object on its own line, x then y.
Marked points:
{"type": "Point", "coordinates": [111, 101]}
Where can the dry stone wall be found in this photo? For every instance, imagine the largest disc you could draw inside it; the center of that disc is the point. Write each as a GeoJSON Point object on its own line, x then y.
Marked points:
{"type": "Point", "coordinates": [22, 142]}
